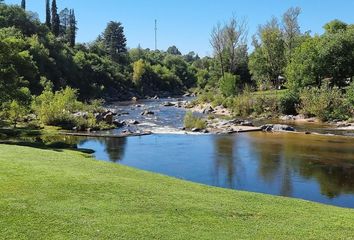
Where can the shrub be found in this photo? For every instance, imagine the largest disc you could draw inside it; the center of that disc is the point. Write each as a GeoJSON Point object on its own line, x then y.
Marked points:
{"type": "Point", "coordinates": [228, 84]}
{"type": "Point", "coordinates": [242, 105]}
{"type": "Point", "coordinates": [191, 121]}
{"type": "Point", "coordinates": [206, 97]}
{"type": "Point", "coordinates": [350, 94]}
{"type": "Point", "coordinates": [289, 102]}
{"type": "Point", "coordinates": [16, 111]}
{"type": "Point", "coordinates": [55, 109]}
{"type": "Point", "coordinates": [326, 103]}
{"type": "Point", "coordinates": [218, 100]}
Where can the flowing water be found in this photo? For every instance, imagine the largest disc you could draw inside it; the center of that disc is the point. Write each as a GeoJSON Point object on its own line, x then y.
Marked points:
{"type": "Point", "coordinates": [313, 167]}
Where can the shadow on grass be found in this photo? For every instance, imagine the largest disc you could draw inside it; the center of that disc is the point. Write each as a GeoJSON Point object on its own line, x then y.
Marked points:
{"type": "Point", "coordinates": [35, 138]}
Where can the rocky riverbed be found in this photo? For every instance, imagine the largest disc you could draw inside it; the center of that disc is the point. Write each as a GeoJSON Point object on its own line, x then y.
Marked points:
{"type": "Point", "coordinates": [166, 115]}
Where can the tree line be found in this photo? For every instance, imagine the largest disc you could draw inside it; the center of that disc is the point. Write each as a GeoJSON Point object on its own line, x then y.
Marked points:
{"type": "Point", "coordinates": [308, 66]}
{"type": "Point", "coordinates": [36, 55]}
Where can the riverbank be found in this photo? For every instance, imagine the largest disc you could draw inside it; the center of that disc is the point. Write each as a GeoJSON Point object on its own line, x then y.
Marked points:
{"type": "Point", "coordinates": [48, 194]}
{"type": "Point", "coordinates": [219, 115]}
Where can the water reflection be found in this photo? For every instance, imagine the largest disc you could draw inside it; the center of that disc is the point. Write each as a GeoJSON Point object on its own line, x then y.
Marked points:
{"type": "Point", "coordinates": [224, 160]}
{"type": "Point", "coordinates": [114, 148]}
{"type": "Point", "coordinates": [317, 168]}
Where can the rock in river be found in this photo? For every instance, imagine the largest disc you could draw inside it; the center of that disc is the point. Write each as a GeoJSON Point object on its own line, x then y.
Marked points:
{"type": "Point", "coordinates": [168, 104]}
{"type": "Point", "coordinates": [277, 128]}
{"type": "Point", "coordinates": [146, 112]}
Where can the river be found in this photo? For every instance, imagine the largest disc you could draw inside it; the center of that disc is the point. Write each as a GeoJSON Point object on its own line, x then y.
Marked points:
{"type": "Point", "coordinates": [313, 167]}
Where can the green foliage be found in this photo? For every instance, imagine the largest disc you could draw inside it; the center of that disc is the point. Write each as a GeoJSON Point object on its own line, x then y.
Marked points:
{"type": "Point", "coordinates": [138, 71]}
{"type": "Point", "coordinates": [173, 50]}
{"type": "Point", "coordinates": [350, 94]}
{"type": "Point", "coordinates": [179, 67]}
{"type": "Point", "coordinates": [228, 84]}
{"type": "Point", "coordinates": [23, 4]}
{"type": "Point", "coordinates": [289, 102]}
{"type": "Point", "coordinates": [55, 19]}
{"type": "Point", "coordinates": [203, 77]}
{"type": "Point", "coordinates": [305, 66]}
{"type": "Point", "coordinates": [335, 26]}
{"type": "Point", "coordinates": [56, 109]}
{"type": "Point", "coordinates": [114, 41]}
{"type": "Point", "coordinates": [48, 19]}
{"type": "Point", "coordinates": [268, 60]}
{"type": "Point", "coordinates": [192, 121]}
{"type": "Point", "coordinates": [327, 56]}
{"type": "Point", "coordinates": [326, 103]}
{"type": "Point", "coordinates": [15, 112]}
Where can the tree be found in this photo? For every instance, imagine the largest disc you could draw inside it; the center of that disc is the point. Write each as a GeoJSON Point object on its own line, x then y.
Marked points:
{"type": "Point", "coordinates": [291, 30]}
{"type": "Point", "coordinates": [115, 41]}
{"type": "Point", "coordinates": [235, 34]}
{"type": "Point", "coordinates": [55, 19]}
{"type": "Point", "coordinates": [227, 41]}
{"type": "Point", "coordinates": [217, 41]}
{"type": "Point", "coordinates": [16, 65]}
{"type": "Point", "coordinates": [47, 15]}
{"type": "Point", "coordinates": [305, 66]}
{"type": "Point", "coordinates": [138, 71]}
{"type": "Point", "coordinates": [64, 21]}
{"type": "Point", "coordinates": [173, 50]}
{"type": "Point", "coordinates": [16, 111]}
{"type": "Point", "coordinates": [23, 4]}
{"type": "Point", "coordinates": [72, 29]}
{"type": "Point", "coordinates": [268, 60]}
{"type": "Point", "coordinates": [335, 26]}
{"type": "Point", "coordinates": [329, 56]}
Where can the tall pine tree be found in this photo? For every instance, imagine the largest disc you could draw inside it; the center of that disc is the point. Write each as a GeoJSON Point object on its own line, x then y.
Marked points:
{"type": "Point", "coordinates": [72, 28]}
{"type": "Point", "coordinates": [55, 19]}
{"type": "Point", "coordinates": [115, 41]}
{"type": "Point", "coordinates": [23, 4]}
{"type": "Point", "coordinates": [47, 14]}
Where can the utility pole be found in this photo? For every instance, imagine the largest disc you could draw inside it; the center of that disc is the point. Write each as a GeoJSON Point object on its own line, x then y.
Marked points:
{"type": "Point", "coordinates": [155, 34]}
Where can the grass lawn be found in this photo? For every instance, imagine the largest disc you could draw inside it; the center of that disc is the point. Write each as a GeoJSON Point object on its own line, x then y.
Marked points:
{"type": "Point", "coordinates": [48, 194]}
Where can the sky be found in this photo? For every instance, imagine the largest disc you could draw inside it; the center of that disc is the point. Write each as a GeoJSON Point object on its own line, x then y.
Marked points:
{"type": "Point", "coordinates": [188, 23]}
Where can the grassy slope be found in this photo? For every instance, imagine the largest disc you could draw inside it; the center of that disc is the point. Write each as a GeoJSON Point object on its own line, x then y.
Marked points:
{"type": "Point", "coordinates": [45, 194]}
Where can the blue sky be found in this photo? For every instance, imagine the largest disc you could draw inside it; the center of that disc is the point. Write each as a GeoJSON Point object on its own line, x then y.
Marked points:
{"type": "Point", "coordinates": [187, 23]}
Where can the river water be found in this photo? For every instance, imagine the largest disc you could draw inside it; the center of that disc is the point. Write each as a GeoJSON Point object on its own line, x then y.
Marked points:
{"type": "Point", "coordinates": [312, 167]}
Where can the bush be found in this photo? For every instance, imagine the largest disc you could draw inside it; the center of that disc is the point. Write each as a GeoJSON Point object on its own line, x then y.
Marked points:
{"type": "Point", "coordinates": [350, 94]}
{"type": "Point", "coordinates": [191, 121]}
{"type": "Point", "coordinates": [218, 100]}
{"type": "Point", "coordinates": [289, 102]}
{"type": "Point", "coordinates": [326, 103]}
{"type": "Point", "coordinates": [243, 105]}
{"type": "Point", "coordinates": [55, 109]}
{"type": "Point", "coordinates": [14, 111]}
{"type": "Point", "coordinates": [206, 97]}
{"type": "Point", "coordinates": [228, 84]}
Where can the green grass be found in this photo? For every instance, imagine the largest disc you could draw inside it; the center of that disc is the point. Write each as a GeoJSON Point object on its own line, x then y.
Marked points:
{"type": "Point", "coordinates": [48, 194]}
